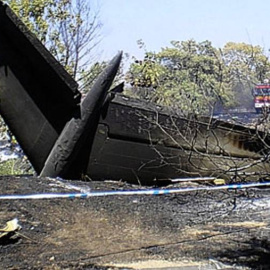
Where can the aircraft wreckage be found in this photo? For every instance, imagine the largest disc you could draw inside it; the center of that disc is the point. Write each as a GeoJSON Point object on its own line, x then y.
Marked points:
{"type": "Point", "coordinates": [107, 135]}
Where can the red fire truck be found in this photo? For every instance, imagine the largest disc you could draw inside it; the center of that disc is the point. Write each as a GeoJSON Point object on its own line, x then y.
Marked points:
{"type": "Point", "coordinates": [261, 94]}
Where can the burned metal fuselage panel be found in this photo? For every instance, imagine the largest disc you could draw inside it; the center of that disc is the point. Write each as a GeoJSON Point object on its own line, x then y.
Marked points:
{"type": "Point", "coordinates": [140, 140]}
{"type": "Point", "coordinates": [127, 139]}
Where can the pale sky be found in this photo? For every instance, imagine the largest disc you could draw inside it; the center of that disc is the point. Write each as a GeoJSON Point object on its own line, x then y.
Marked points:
{"type": "Point", "coordinates": [157, 22]}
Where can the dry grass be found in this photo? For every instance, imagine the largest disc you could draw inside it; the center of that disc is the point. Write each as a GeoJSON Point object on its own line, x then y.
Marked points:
{"type": "Point", "coordinates": [244, 224]}
{"type": "Point", "coordinates": [156, 264]}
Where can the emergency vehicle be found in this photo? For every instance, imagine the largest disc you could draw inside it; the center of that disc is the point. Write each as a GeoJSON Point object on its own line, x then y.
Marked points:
{"type": "Point", "coordinates": [261, 94]}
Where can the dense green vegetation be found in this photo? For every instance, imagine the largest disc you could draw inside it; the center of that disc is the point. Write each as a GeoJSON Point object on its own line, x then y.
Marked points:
{"type": "Point", "coordinates": [15, 167]}
{"type": "Point", "coordinates": [196, 76]}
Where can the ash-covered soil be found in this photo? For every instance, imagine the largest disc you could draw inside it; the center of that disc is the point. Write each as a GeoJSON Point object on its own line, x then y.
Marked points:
{"type": "Point", "coordinates": [181, 231]}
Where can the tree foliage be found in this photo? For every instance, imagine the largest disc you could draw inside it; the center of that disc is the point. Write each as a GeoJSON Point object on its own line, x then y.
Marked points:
{"type": "Point", "coordinates": [196, 77]}
{"type": "Point", "coordinates": [248, 65]}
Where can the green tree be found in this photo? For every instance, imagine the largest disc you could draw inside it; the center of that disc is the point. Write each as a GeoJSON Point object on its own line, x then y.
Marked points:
{"type": "Point", "coordinates": [190, 75]}
{"type": "Point", "coordinates": [197, 77]}
{"type": "Point", "coordinates": [248, 65]}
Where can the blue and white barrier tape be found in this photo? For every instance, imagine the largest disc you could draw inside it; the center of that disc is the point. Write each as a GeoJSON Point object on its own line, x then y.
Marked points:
{"type": "Point", "coordinates": [128, 192]}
